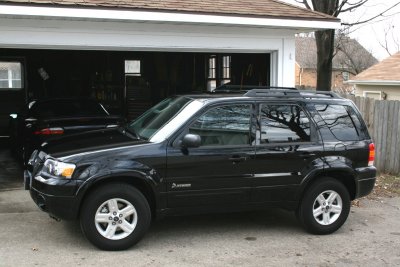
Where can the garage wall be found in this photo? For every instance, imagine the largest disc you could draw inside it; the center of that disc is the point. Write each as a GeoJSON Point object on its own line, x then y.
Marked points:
{"type": "Point", "coordinates": [139, 36]}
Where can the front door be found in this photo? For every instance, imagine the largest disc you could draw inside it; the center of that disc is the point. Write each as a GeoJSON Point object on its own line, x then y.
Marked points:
{"type": "Point", "coordinates": [219, 172]}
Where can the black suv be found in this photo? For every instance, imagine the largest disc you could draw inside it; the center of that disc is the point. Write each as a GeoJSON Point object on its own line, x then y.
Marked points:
{"type": "Point", "coordinates": [305, 151]}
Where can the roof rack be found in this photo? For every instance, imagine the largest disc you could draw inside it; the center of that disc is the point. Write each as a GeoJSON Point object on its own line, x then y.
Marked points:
{"type": "Point", "coordinates": [232, 88]}
{"type": "Point", "coordinates": [273, 91]}
{"type": "Point", "coordinates": [290, 93]}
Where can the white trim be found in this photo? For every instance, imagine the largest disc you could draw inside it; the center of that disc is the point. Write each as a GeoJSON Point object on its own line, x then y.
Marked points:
{"type": "Point", "coordinates": [186, 113]}
{"type": "Point", "coordinates": [166, 17]}
{"type": "Point", "coordinates": [374, 82]}
{"type": "Point", "coordinates": [264, 175]}
{"type": "Point", "coordinates": [373, 92]}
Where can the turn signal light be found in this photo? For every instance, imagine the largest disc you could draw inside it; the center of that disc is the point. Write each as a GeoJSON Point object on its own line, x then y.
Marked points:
{"type": "Point", "coordinates": [50, 131]}
{"type": "Point", "coordinates": [371, 156]}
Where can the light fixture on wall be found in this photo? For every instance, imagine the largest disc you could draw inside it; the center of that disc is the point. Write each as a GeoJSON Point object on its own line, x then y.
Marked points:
{"type": "Point", "coordinates": [42, 72]}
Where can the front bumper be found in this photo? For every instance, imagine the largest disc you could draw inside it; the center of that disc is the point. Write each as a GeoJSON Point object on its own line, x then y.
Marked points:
{"type": "Point", "coordinates": [54, 196]}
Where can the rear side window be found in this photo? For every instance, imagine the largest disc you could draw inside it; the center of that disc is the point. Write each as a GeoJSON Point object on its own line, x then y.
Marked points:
{"type": "Point", "coordinates": [341, 121]}
{"type": "Point", "coordinates": [283, 123]}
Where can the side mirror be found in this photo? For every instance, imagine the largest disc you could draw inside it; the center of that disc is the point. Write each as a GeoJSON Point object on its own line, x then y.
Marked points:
{"type": "Point", "coordinates": [191, 140]}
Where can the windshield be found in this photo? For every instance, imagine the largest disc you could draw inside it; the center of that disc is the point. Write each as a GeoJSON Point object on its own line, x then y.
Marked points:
{"type": "Point", "coordinates": [155, 118]}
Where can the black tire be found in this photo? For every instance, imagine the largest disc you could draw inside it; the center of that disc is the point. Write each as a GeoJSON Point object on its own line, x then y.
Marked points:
{"type": "Point", "coordinates": [309, 203]}
{"type": "Point", "coordinates": [123, 194]}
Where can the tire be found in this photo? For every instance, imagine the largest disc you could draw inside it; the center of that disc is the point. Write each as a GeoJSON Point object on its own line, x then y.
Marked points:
{"type": "Point", "coordinates": [115, 216]}
{"type": "Point", "coordinates": [330, 214]}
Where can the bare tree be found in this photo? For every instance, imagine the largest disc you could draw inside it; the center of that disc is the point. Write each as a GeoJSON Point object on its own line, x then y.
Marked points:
{"type": "Point", "coordinates": [350, 55]}
{"type": "Point", "coordinates": [325, 38]}
{"type": "Point", "coordinates": [391, 42]}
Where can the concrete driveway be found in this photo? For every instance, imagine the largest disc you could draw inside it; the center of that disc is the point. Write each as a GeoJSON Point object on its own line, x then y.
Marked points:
{"type": "Point", "coordinates": [370, 237]}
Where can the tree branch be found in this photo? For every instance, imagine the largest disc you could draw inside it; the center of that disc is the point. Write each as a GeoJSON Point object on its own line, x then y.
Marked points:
{"type": "Point", "coordinates": [305, 3]}
{"type": "Point", "coordinates": [353, 6]}
{"type": "Point", "coordinates": [372, 18]}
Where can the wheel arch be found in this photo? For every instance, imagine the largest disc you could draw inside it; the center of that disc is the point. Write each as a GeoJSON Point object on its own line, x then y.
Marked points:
{"type": "Point", "coordinates": [346, 177]}
{"type": "Point", "coordinates": [139, 183]}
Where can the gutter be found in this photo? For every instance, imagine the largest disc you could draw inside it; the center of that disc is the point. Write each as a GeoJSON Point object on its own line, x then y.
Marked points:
{"type": "Point", "coordinates": [374, 82]}
{"type": "Point", "coordinates": [95, 14]}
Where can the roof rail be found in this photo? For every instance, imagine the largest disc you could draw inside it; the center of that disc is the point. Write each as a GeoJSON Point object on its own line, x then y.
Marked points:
{"type": "Point", "coordinates": [290, 93]}
{"type": "Point", "coordinates": [232, 88]}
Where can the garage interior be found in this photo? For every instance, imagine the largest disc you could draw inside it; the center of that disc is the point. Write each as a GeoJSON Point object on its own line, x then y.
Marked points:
{"type": "Point", "coordinates": [127, 83]}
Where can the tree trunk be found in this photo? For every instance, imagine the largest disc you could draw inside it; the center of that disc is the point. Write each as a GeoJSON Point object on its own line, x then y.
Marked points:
{"type": "Point", "coordinates": [325, 46]}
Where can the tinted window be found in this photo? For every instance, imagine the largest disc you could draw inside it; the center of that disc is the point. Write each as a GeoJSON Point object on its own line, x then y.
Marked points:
{"type": "Point", "coordinates": [152, 120]}
{"type": "Point", "coordinates": [339, 121]}
{"type": "Point", "coordinates": [66, 108]}
{"type": "Point", "coordinates": [283, 123]}
{"type": "Point", "coordinates": [226, 125]}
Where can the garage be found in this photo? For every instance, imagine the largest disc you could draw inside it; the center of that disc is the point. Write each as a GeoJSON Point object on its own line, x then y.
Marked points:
{"type": "Point", "coordinates": [131, 55]}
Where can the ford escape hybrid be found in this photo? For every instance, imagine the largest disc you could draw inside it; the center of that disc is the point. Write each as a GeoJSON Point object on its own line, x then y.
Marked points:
{"type": "Point", "coordinates": [309, 152]}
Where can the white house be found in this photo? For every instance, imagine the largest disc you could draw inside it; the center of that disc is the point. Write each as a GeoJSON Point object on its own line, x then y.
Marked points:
{"type": "Point", "coordinates": [381, 81]}
{"type": "Point", "coordinates": [130, 54]}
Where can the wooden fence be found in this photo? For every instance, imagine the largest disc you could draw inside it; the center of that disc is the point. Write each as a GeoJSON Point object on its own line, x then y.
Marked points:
{"type": "Point", "coordinates": [382, 118]}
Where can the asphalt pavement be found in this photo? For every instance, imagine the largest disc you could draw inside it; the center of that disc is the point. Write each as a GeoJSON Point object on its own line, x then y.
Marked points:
{"type": "Point", "coordinates": [29, 237]}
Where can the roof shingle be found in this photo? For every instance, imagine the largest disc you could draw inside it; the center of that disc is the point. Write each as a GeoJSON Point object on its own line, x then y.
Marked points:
{"type": "Point", "coordinates": [386, 70]}
{"type": "Point", "coordinates": [257, 8]}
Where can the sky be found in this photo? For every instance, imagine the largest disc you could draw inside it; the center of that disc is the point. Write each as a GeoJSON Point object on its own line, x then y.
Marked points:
{"type": "Point", "coordinates": [371, 34]}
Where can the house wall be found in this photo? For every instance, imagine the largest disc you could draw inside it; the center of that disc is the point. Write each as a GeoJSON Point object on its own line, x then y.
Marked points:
{"type": "Point", "coordinates": [307, 78]}
{"type": "Point", "coordinates": [390, 92]}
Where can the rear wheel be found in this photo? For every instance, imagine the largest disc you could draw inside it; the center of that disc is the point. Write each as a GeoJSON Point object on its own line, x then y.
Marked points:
{"type": "Point", "coordinates": [115, 217]}
{"type": "Point", "coordinates": [325, 206]}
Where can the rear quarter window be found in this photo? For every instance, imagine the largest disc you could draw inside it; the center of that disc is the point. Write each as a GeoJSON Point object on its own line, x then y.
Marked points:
{"type": "Point", "coordinates": [342, 121]}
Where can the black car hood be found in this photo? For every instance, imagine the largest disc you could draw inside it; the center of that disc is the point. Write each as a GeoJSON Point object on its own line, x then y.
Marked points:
{"type": "Point", "coordinates": [89, 141]}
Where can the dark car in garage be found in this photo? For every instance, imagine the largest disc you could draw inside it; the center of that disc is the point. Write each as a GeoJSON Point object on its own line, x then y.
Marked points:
{"type": "Point", "coordinates": [45, 119]}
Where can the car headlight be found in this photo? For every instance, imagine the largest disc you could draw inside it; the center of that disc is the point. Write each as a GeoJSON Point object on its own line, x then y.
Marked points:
{"type": "Point", "coordinates": [58, 168]}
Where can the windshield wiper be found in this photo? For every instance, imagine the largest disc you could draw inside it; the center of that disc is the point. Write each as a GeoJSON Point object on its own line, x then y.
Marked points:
{"type": "Point", "coordinates": [131, 133]}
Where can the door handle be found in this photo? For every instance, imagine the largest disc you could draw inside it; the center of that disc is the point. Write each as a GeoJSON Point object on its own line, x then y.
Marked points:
{"type": "Point", "coordinates": [236, 159]}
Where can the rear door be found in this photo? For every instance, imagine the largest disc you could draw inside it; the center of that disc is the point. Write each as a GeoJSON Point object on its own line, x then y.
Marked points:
{"type": "Point", "coordinates": [287, 144]}
{"type": "Point", "coordinates": [219, 172]}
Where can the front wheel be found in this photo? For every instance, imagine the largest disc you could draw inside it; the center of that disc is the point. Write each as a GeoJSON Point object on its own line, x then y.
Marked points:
{"type": "Point", "coordinates": [325, 206]}
{"type": "Point", "coordinates": [115, 217]}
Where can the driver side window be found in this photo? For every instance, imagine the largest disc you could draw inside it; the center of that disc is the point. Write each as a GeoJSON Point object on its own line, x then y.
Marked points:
{"type": "Point", "coordinates": [224, 126]}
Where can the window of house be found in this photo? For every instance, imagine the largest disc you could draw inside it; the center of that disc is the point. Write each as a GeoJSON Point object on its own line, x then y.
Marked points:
{"type": "Point", "coordinates": [219, 71]}
{"type": "Point", "coordinates": [283, 123]}
{"type": "Point", "coordinates": [212, 73]}
{"type": "Point", "coordinates": [132, 67]}
{"type": "Point", "coordinates": [345, 75]}
{"type": "Point", "coordinates": [224, 125]}
{"type": "Point", "coordinates": [226, 69]}
{"type": "Point", "coordinates": [373, 94]}
{"type": "Point", "coordinates": [10, 75]}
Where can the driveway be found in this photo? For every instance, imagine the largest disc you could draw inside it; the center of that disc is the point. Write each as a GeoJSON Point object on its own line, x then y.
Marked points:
{"type": "Point", "coordinates": [370, 237]}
